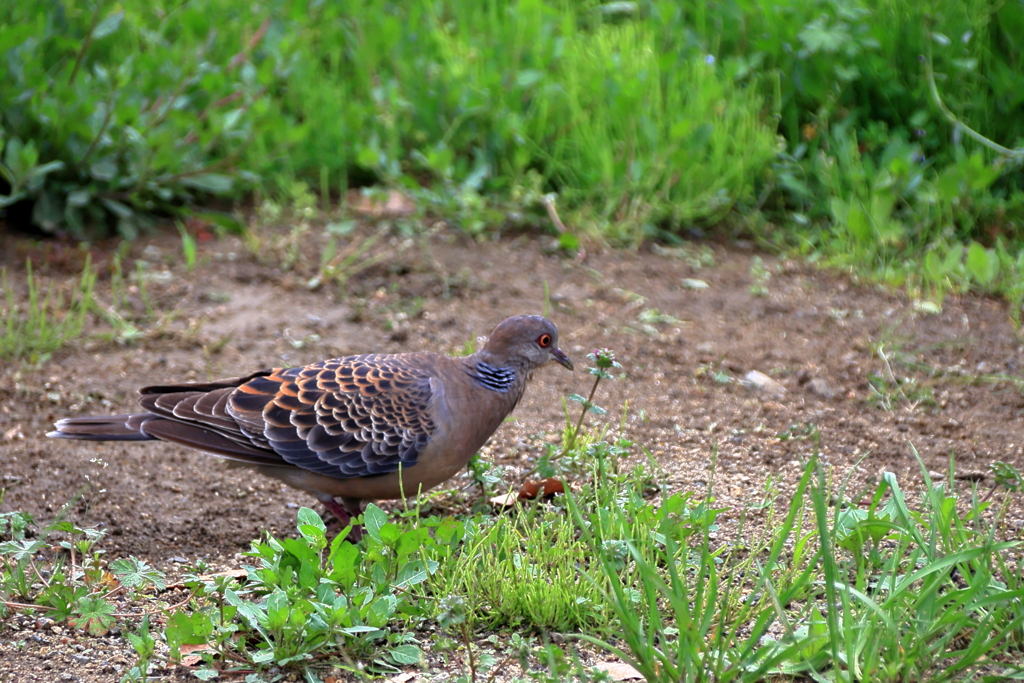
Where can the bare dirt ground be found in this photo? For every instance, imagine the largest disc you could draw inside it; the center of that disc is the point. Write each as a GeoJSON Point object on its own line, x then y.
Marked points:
{"type": "Point", "coordinates": [817, 335]}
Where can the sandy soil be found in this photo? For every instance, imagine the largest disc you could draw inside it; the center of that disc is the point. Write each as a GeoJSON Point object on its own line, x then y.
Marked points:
{"type": "Point", "coordinates": [684, 351]}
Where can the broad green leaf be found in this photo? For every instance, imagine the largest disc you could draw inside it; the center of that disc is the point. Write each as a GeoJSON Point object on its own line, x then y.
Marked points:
{"type": "Point", "coordinates": [390, 533]}
{"type": "Point", "coordinates": [188, 629]}
{"type": "Point", "coordinates": [407, 655]}
{"type": "Point", "coordinates": [528, 77]}
{"type": "Point", "coordinates": [19, 550]}
{"type": "Point", "coordinates": [225, 221]}
{"type": "Point", "coordinates": [859, 224]}
{"type": "Point", "coordinates": [933, 265]}
{"type": "Point", "coordinates": [38, 174]}
{"type": "Point", "coordinates": [982, 264]}
{"type": "Point", "coordinates": [104, 169]}
{"type": "Point", "coordinates": [231, 118]}
{"type": "Point", "coordinates": [93, 615]}
{"type": "Point", "coordinates": [310, 517]}
{"type": "Point", "coordinates": [819, 36]}
{"type": "Point", "coordinates": [278, 608]}
{"type": "Point", "coordinates": [79, 197]}
{"type": "Point", "coordinates": [569, 241]}
{"type": "Point", "coordinates": [48, 212]}
{"type": "Point", "coordinates": [411, 574]}
{"type": "Point", "coordinates": [214, 183]}
{"type": "Point", "coordinates": [133, 572]}
{"type": "Point", "coordinates": [373, 519]}
{"type": "Point", "coordinates": [117, 208]}
{"type": "Point", "coordinates": [12, 155]}
{"type": "Point", "coordinates": [109, 24]}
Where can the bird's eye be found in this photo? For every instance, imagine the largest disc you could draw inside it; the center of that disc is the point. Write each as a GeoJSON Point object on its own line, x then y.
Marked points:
{"type": "Point", "coordinates": [544, 341]}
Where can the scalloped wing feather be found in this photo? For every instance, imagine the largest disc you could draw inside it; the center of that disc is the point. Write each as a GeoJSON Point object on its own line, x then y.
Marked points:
{"type": "Point", "coordinates": [349, 417]}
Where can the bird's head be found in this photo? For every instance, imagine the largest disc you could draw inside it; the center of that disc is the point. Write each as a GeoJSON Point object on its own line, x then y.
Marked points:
{"type": "Point", "coordinates": [529, 338]}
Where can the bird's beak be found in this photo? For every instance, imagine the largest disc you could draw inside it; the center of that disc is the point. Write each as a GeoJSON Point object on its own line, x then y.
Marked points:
{"type": "Point", "coordinates": [562, 359]}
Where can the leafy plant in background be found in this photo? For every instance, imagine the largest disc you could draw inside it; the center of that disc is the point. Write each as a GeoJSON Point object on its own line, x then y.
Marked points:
{"type": "Point", "coordinates": [642, 120]}
{"type": "Point", "coordinates": [880, 170]}
{"type": "Point", "coordinates": [110, 115]}
{"type": "Point", "coordinates": [139, 109]}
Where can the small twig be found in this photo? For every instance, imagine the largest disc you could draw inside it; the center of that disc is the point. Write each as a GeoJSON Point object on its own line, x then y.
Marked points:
{"type": "Point", "coordinates": [892, 378]}
{"type": "Point", "coordinates": [21, 605]}
{"type": "Point", "coordinates": [158, 611]}
{"type": "Point", "coordinates": [103, 126]}
{"type": "Point", "coordinates": [112, 591]}
{"type": "Point", "coordinates": [36, 570]}
{"type": "Point", "coordinates": [226, 161]}
{"type": "Point", "coordinates": [71, 549]}
{"type": "Point", "coordinates": [548, 201]}
{"type": "Point", "coordinates": [605, 360]}
{"type": "Point", "coordinates": [992, 489]}
{"type": "Point", "coordinates": [469, 649]}
{"type": "Point", "coordinates": [500, 668]}
{"type": "Point", "coordinates": [572, 437]}
{"type": "Point", "coordinates": [239, 58]}
{"type": "Point", "coordinates": [406, 591]}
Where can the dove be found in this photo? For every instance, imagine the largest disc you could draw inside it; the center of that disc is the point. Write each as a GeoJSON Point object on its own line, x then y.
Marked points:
{"type": "Point", "coordinates": [351, 429]}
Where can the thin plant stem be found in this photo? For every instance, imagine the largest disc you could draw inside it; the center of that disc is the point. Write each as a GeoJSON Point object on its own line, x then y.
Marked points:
{"type": "Point", "coordinates": [955, 121]}
{"type": "Point", "coordinates": [579, 422]}
{"type": "Point", "coordinates": [85, 43]}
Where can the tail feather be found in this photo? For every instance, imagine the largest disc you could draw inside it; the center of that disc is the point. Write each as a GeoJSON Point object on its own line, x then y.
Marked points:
{"type": "Point", "coordinates": [104, 428]}
{"type": "Point", "coordinates": [152, 427]}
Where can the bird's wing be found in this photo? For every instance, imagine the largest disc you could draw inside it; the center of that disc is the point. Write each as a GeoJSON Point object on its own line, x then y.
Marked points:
{"type": "Point", "coordinates": [349, 417]}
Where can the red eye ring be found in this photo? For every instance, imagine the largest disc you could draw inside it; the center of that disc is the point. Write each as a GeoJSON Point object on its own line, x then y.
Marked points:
{"type": "Point", "coordinates": [544, 340]}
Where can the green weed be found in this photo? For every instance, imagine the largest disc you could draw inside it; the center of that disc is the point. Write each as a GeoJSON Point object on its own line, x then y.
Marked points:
{"type": "Point", "coordinates": [45, 324]}
{"type": "Point", "coordinates": [760, 276]}
{"type": "Point", "coordinates": [521, 572]}
{"type": "Point", "coordinates": [112, 114]}
{"type": "Point", "coordinates": [925, 591]}
{"type": "Point", "coordinates": [188, 247]}
{"type": "Point", "coordinates": [892, 592]}
{"type": "Point", "coordinates": [67, 580]}
{"type": "Point", "coordinates": [306, 596]}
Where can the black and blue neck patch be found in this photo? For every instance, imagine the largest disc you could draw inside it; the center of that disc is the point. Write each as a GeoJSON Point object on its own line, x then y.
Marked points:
{"type": "Point", "coordinates": [495, 379]}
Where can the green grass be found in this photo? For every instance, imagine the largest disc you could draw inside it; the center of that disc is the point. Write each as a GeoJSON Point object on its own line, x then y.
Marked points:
{"type": "Point", "coordinates": [466, 102]}
{"type": "Point", "coordinates": [815, 126]}
{"type": "Point", "coordinates": [898, 589]}
{"type": "Point", "coordinates": [33, 331]}
{"type": "Point", "coordinates": [521, 571]}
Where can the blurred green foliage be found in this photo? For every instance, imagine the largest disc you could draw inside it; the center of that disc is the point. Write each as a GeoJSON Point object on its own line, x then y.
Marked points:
{"type": "Point", "coordinates": [647, 118]}
{"type": "Point", "coordinates": [111, 113]}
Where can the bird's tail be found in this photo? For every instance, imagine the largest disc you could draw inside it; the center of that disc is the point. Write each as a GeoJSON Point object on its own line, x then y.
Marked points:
{"type": "Point", "coordinates": [104, 428]}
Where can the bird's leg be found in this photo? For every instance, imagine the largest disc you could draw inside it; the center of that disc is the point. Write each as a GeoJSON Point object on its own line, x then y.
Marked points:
{"type": "Point", "coordinates": [337, 509]}
{"type": "Point", "coordinates": [344, 516]}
